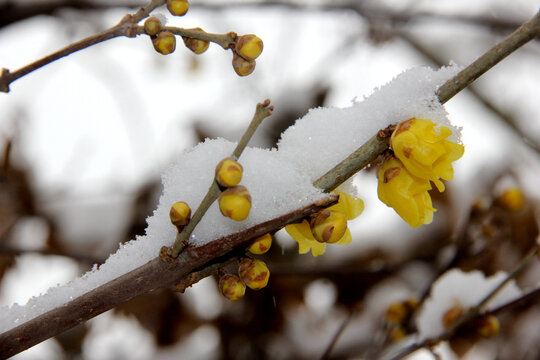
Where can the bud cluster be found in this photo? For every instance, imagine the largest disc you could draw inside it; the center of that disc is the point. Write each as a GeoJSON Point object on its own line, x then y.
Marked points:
{"type": "Point", "coordinates": [235, 200]}
{"type": "Point", "coordinates": [251, 273]}
{"type": "Point", "coordinates": [247, 49]}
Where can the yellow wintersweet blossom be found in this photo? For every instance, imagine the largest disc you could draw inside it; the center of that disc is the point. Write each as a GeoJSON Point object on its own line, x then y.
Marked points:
{"type": "Point", "coordinates": [422, 147]}
{"type": "Point", "coordinates": [347, 205]}
{"type": "Point", "coordinates": [406, 193]}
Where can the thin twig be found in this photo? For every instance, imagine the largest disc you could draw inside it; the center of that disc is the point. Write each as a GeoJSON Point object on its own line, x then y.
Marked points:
{"type": "Point", "coordinates": [338, 333]}
{"type": "Point", "coordinates": [126, 27]}
{"type": "Point", "coordinates": [262, 111]}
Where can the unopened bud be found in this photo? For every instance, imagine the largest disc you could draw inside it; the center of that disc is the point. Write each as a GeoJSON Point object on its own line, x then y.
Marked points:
{"type": "Point", "coordinates": [452, 315]}
{"type": "Point", "coordinates": [196, 45]}
{"type": "Point", "coordinates": [328, 226]}
{"type": "Point", "coordinates": [164, 42]}
{"type": "Point", "coordinates": [253, 273]}
{"type": "Point", "coordinates": [249, 46]}
{"type": "Point", "coordinates": [396, 312]}
{"type": "Point", "coordinates": [180, 214]}
{"type": "Point", "coordinates": [396, 333]}
{"type": "Point", "coordinates": [178, 7]}
{"type": "Point", "coordinates": [152, 25]}
{"type": "Point", "coordinates": [235, 203]}
{"type": "Point", "coordinates": [242, 66]}
{"type": "Point", "coordinates": [228, 172]}
{"type": "Point", "coordinates": [488, 326]}
{"type": "Point", "coordinates": [232, 287]}
{"type": "Point", "coordinates": [512, 199]}
{"type": "Point", "coordinates": [261, 245]}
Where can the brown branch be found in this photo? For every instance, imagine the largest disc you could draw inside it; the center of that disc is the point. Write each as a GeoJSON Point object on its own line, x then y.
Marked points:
{"type": "Point", "coordinates": [153, 275]}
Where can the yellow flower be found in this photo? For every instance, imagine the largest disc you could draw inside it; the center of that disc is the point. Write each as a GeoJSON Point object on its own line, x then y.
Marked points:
{"type": "Point", "coordinates": [348, 205]}
{"type": "Point", "coordinates": [423, 149]}
{"type": "Point", "coordinates": [406, 193]}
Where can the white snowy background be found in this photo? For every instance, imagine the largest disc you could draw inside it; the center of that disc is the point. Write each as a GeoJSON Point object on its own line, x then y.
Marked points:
{"type": "Point", "coordinates": [96, 126]}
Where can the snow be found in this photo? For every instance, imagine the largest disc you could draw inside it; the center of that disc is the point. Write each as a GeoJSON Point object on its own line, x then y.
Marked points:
{"type": "Point", "coordinates": [457, 288]}
{"type": "Point", "coordinates": [279, 180]}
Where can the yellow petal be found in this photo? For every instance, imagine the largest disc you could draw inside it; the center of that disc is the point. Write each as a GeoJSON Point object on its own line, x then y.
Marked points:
{"type": "Point", "coordinates": [345, 239]}
{"type": "Point", "coordinates": [350, 206]}
{"type": "Point", "coordinates": [317, 248]}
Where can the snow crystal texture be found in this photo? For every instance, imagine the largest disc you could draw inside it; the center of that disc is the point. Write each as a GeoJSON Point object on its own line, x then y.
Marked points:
{"type": "Point", "coordinates": [279, 180]}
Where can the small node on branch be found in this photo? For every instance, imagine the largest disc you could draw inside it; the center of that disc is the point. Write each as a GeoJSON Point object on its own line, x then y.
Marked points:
{"type": "Point", "coordinates": [254, 273]}
{"type": "Point", "coordinates": [249, 46]}
{"type": "Point", "coordinates": [196, 45]}
{"type": "Point", "coordinates": [261, 245]}
{"type": "Point", "coordinates": [178, 7]}
{"type": "Point", "coordinates": [235, 203]}
{"type": "Point", "coordinates": [231, 287]}
{"type": "Point", "coordinates": [164, 43]}
{"type": "Point", "coordinates": [4, 80]}
{"type": "Point", "coordinates": [152, 26]}
{"type": "Point", "coordinates": [242, 66]}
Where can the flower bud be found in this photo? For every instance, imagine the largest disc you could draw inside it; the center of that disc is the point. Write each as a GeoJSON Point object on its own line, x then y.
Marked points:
{"type": "Point", "coordinates": [242, 66]}
{"type": "Point", "coordinates": [512, 199]}
{"type": "Point", "coordinates": [397, 333]}
{"type": "Point", "coordinates": [196, 45]}
{"type": "Point", "coordinates": [328, 226]}
{"type": "Point", "coordinates": [452, 315]}
{"type": "Point", "coordinates": [253, 273]}
{"type": "Point", "coordinates": [488, 326]}
{"type": "Point", "coordinates": [249, 46]}
{"type": "Point", "coordinates": [235, 203]}
{"type": "Point", "coordinates": [164, 43]}
{"type": "Point", "coordinates": [228, 172]}
{"type": "Point", "coordinates": [152, 26]}
{"type": "Point", "coordinates": [180, 214]}
{"type": "Point", "coordinates": [261, 245]}
{"type": "Point", "coordinates": [178, 7]}
{"type": "Point", "coordinates": [396, 312]}
{"type": "Point", "coordinates": [232, 287]}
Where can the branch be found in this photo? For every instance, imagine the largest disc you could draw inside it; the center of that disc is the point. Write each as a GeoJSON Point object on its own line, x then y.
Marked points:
{"type": "Point", "coordinates": [126, 27]}
{"type": "Point", "coordinates": [157, 273]}
{"type": "Point", "coordinates": [151, 276]}
{"type": "Point", "coordinates": [475, 312]}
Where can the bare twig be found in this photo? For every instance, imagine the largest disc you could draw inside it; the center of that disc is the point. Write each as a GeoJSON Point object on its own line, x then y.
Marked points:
{"type": "Point", "coordinates": [126, 27]}
{"type": "Point", "coordinates": [262, 111]}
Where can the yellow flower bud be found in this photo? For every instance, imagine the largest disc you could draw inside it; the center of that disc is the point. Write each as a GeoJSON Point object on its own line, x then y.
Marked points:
{"type": "Point", "coordinates": [328, 226]}
{"type": "Point", "coordinates": [253, 273]}
{"type": "Point", "coordinates": [235, 203]}
{"type": "Point", "coordinates": [164, 43]}
{"type": "Point", "coordinates": [232, 287]}
{"type": "Point", "coordinates": [488, 326]}
{"type": "Point", "coordinates": [228, 172]}
{"type": "Point", "coordinates": [178, 7]}
{"type": "Point", "coordinates": [512, 199]}
{"type": "Point", "coordinates": [180, 214]}
{"type": "Point", "coordinates": [406, 194]}
{"type": "Point", "coordinates": [152, 25]}
{"type": "Point", "coordinates": [396, 333]}
{"type": "Point", "coordinates": [396, 312]}
{"type": "Point", "coordinates": [242, 66]}
{"type": "Point", "coordinates": [261, 245]}
{"type": "Point", "coordinates": [196, 45]}
{"type": "Point", "coordinates": [452, 315]}
{"type": "Point", "coordinates": [249, 46]}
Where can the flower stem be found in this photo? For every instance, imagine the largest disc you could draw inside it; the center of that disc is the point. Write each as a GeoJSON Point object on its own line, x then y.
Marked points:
{"type": "Point", "coordinates": [262, 111]}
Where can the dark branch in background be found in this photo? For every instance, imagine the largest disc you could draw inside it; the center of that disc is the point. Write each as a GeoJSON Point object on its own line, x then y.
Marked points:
{"type": "Point", "coordinates": [157, 273]}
